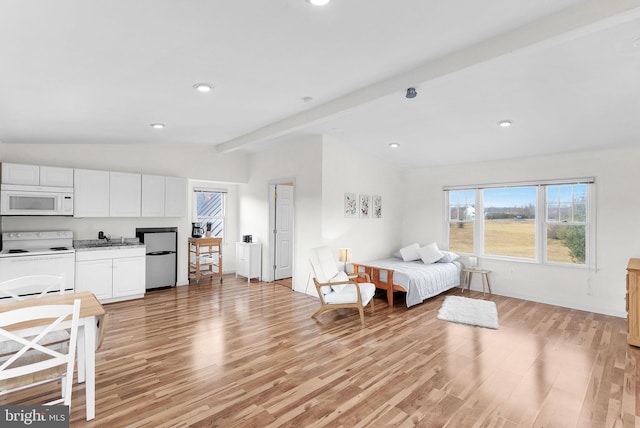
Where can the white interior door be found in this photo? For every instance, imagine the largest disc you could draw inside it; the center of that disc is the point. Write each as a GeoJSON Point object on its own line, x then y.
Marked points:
{"type": "Point", "coordinates": [283, 232]}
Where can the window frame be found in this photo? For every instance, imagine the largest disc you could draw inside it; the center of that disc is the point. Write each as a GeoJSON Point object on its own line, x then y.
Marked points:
{"type": "Point", "coordinates": [223, 217]}
{"type": "Point", "coordinates": [541, 225]}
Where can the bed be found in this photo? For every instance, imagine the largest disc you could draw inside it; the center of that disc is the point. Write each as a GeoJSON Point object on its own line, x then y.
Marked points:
{"type": "Point", "coordinates": [419, 280]}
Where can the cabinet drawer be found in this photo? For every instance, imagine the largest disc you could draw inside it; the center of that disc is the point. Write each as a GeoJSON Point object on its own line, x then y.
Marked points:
{"type": "Point", "coordinates": [114, 253]}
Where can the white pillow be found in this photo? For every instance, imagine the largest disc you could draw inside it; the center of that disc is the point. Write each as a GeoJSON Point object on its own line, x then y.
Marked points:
{"type": "Point", "coordinates": [430, 253]}
{"type": "Point", "coordinates": [410, 252]}
{"type": "Point", "coordinates": [340, 277]}
{"type": "Point", "coordinates": [448, 257]}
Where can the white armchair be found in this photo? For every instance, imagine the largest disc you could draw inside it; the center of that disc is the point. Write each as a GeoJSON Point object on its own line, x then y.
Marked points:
{"type": "Point", "coordinates": [336, 289]}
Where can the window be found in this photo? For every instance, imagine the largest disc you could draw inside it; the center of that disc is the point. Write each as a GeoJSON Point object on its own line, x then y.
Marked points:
{"type": "Point", "coordinates": [549, 222]}
{"type": "Point", "coordinates": [566, 223]}
{"type": "Point", "coordinates": [209, 210]}
{"type": "Point", "coordinates": [510, 221]}
{"type": "Point", "coordinates": [462, 214]}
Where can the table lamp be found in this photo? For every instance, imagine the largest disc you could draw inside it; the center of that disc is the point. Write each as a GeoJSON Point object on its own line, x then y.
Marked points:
{"type": "Point", "coordinates": [344, 255]}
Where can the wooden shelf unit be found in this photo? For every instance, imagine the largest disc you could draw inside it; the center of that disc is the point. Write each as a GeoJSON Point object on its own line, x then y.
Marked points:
{"type": "Point", "coordinates": [633, 302]}
{"type": "Point", "coordinates": [205, 258]}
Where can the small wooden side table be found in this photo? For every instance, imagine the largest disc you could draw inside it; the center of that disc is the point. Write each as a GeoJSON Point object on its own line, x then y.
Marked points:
{"type": "Point", "coordinates": [468, 273]}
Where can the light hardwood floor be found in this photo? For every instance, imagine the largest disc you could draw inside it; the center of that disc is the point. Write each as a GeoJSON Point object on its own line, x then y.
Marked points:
{"type": "Point", "coordinates": [249, 355]}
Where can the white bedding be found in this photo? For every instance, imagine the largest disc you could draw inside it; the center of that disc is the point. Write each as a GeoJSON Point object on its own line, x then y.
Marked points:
{"type": "Point", "coordinates": [420, 280]}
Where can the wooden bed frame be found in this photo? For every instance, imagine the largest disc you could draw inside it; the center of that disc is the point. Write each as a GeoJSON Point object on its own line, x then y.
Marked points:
{"type": "Point", "coordinates": [374, 274]}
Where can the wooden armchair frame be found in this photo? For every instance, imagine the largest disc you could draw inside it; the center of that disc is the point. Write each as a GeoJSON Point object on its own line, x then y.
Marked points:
{"type": "Point", "coordinates": [324, 306]}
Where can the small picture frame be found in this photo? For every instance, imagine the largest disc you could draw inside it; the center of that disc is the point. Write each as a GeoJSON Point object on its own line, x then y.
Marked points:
{"type": "Point", "coordinates": [350, 205]}
{"type": "Point", "coordinates": [365, 206]}
{"type": "Point", "coordinates": [377, 206]}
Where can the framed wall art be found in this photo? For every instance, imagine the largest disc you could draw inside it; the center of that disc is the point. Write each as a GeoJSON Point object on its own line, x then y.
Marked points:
{"type": "Point", "coordinates": [350, 205]}
{"type": "Point", "coordinates": [377, 206]}
{"type": "Point", "coordinates": [365, 206]}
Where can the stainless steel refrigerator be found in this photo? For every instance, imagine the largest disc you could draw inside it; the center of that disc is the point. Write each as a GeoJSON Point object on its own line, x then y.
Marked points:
{"type": "Point", "coordinates": [161, 255]}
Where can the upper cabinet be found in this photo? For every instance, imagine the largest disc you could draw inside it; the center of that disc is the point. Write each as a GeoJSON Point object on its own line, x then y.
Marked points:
{"type": "Point", "coordinates": [34, 175]}
{"type": "Point", "coordinates": [152, 195]}
{"type": "Point", "coordinates": [107, 193]}
{"type": "Point", "coordinates": [175, 198]}
{"type": "Point", "coordinates": [124, 194]}
{"type": "Point", "coordinates": [91, 193]}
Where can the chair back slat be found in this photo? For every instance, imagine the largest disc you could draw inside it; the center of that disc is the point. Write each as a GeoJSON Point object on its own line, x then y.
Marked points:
{"type": "Point", "coordinates": [32, 286]}
{"type": "Point", "coordinates": [27, 358]}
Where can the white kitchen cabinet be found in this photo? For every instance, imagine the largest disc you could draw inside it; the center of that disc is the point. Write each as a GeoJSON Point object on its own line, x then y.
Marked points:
{"type": "Point", "coordinates": [153, 195]}
{"type": "Point", "coordinates": [175, 197]}
{"type": "Point", "coordinates": [113, 274]}
{"type": "Point", "coordinates": [54, 176]}
{"type": "Point", "coordinates": [34, 175]}
{"type": "Point", "coordinates": [91, 193]}
{"type": "Point", "coordinates": [95, 276]}
{"type": "Point", "coordinates": [15, 173]}
{"type": "Point", "coordinates": [124, 194]}
{"type": "Point", "coordinates": [249, 260]}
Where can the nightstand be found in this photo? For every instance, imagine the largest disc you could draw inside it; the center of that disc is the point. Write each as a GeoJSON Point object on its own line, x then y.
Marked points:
{"type": "Point", "coordinates": [468, 273]}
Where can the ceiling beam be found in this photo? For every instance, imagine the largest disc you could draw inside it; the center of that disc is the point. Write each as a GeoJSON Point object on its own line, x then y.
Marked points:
{"type": "Point", "coordinates": [568, 24]}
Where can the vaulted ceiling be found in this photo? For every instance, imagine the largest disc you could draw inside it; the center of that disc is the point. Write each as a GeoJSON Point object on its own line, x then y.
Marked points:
{"type": "Point", "coordinates": [564, 72]}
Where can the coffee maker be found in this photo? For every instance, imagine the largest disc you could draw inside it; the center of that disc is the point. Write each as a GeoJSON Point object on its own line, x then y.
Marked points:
{"type": "Point", "coordinates": [196, 230]}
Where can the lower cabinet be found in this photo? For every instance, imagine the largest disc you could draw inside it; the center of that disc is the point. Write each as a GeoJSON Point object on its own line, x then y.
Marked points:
{"type": "Point", "coordinates": [249, 260]}
{"type": "Point", "coordinates": [112, 275]}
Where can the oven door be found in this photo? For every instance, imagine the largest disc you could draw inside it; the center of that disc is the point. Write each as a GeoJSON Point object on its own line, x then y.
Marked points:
{"type": "Point", "coordinates": [25, 200]}
{"type": "Point", "coordinates": [49, 264]}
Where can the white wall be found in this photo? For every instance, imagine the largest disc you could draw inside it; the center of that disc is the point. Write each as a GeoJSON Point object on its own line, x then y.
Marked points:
{"type": "Point", "coordinates": [323, 171]}
{"type": "Point", "coordinates": [301, 161]}
{"type": "Point", "coordinates": [618, 232]}
{"type": "Point", "coordinates": [345, 170]}
{"type": "Point", "coordinates": [193, 162]}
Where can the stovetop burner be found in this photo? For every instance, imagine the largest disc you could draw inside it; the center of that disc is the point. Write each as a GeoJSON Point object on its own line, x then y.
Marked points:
{"type": "Point", "coordinates": [16, 251]}
{"type": "Point", "coordinates": [58, 248]}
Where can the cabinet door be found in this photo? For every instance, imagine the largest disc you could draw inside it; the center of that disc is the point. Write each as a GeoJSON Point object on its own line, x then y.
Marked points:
{"type": "Point", "coordinates": [175, 197]}
{"type": "Point", "coordinates": [256, 260]}
{"type": "Point", "coordinates": [128, 276]}
{"type": "Point", "coordinates": [124, 194]}
{"type": "Point", "coordinates": [152, 196]}
{"type": "Point", "coordinates": [95, 276]}
{"type": "Point", "coordinates": [91, 193]}
{"type": "Point", "coordinates": [56, 177]}
{"type": "Point", "coordinates": [242, 259]}
{"type": "Point", "coordinates": [15, 173]}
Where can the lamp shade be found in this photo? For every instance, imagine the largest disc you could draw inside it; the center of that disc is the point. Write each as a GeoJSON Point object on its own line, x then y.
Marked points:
{"type": "Point", "coordinates": [344, 254]}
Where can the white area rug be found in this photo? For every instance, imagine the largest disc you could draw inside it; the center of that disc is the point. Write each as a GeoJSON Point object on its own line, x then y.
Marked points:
{"type": "Point", "coordinates": [481, 313]}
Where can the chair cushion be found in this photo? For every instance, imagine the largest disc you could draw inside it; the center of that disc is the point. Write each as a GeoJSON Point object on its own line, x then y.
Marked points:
{"type": "Point", "coordinates": [340, 277]}
{"type": "Point", "coordinates": [325, 266]}
{"type": "Point", "coordinates": [349, 294]}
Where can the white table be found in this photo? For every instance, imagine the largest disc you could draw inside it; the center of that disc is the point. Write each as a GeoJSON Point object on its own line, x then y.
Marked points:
{"type": "Point", "coordinates": [91, 313]}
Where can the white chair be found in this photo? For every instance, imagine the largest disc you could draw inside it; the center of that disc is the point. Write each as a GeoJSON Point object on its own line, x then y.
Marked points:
{"type": "Point", "coordinates": [25, 360]}
{"type": "Point", "coordinates": [336, 289]}
{"type": "Point", "coordinates": [32, 286]}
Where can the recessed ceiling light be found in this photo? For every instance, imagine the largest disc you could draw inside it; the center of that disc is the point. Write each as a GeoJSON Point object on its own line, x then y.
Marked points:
{"type": "Point", "coordinates": [203, 87]}
{"type": "Point", "coordinates": [505, 123]}
{"type": "Point", "coordinates": [157, 125]}
{"type": "Point", "coordinates": [394, 145]}
{"type": "Point", "coordinates": [318, 2]}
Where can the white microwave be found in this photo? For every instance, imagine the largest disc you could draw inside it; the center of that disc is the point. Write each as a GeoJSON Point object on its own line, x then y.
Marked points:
{"type": "Point", "coordinates": [35, 200]}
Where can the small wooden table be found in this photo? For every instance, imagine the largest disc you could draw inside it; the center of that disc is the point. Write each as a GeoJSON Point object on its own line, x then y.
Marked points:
{"type": "Point", "coordinates": [205, 258]}
{"type": "Point", "coordinates": [468, 273]}
{"type": "Point", "coordinates": [91, 312]}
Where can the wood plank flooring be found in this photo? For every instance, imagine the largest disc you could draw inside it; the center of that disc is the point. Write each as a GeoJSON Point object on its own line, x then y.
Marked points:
{"type": "Point", "coordinates": [249, 355]}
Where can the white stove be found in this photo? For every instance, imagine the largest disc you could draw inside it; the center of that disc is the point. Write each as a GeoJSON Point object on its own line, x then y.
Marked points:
{"type": "Point", "coordinates": [20, 244]}
{"type": "Point", "coordinates": [38, 253]}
